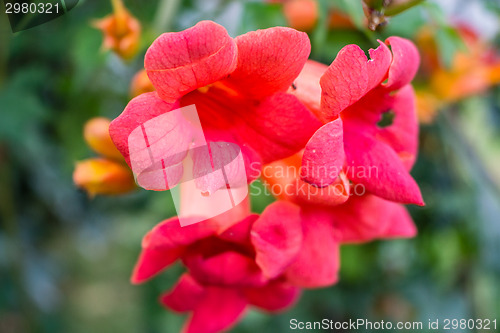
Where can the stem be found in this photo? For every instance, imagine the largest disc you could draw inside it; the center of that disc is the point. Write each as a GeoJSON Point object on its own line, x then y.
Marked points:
{"type": "Point", "coordinates": [164, 15]}
{"type": "Point", "coordinates": [465, 148]}
{"type": "Point", "coordinates": [397, 9]}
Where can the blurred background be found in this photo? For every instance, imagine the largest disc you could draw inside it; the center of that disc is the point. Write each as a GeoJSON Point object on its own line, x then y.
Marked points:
{"type": "Point", "coordinates": [66, 258]}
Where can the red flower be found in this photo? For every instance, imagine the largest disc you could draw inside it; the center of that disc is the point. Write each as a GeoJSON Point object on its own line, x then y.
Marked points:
{"type": "Point", "coordinates": [229, 267]}
{"type": "Point", "coordinates": [215, 308]}
{"type": "Point", "coordinates": [355, 93]}
{"type": "Point", "coordinates": [238, 86]}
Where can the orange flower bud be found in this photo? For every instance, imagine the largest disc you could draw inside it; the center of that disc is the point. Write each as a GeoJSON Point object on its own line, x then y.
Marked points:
{"type": "Point", "coordinates": [103, 176]}
{"type": "Point", "coordinates": [96, 134]}
{"type": "Point", "coordinates": [140, 84]}
{"type": "Point", "coordinates": [301, 14]}
{"type": "Point", "coordinates": [121, 31]}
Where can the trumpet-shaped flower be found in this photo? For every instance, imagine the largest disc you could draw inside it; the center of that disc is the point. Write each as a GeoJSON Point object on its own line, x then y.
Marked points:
{"type": "Point", "coordinates": [355, 94]}
{"type": "Point", "coordinates": [230, 267]}
{"type": "Point", "coordinates": [238, 87]}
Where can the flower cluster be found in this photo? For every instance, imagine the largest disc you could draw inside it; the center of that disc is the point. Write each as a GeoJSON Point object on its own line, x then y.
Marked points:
{"type": "Point", "coordinates": [260, 92]}
{"type": "Point", "coordinates": [474, 69]}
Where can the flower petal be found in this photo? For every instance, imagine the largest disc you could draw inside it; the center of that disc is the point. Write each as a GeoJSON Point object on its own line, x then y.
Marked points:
{"type": "Point", "coordinates": [376, 165]}
{"type": "Point", "coordinates": [219, 309]}
{"type": "Point", "coordinates": [240, 232]}
{"type": "Point", "coordinates": [269, 60]}
{"type": "Point", "coordinates": [153, 261]}
{"type": "Point", "coordinates": [165, 244]}
{"type": "Point", "coordinates": [275, 296]}
{"type": "Point", "coordinates": [185, 295]}
{"type": "Point", "coordinates": [366, 218]}
{"type": "Point", "coordinates": [317, 263]}
{"type": "Point", "coordinates": [324, 155]}
{"type": "Point", "coordinates": [402, 135]}
{"type": "Point", "coordinates": [272, 128]}
{"type": "Point", "coordinates": [229, 268]}
{"type": "Point", "coordinates": [180, 62]}
{"type": "Point", "coordinates": [405, 62]}
{"type": "Point", "coordinates": [277, 237]}
{"type": "Point", "coordinates": [138, 111]}
{"type": "Point", "coordinates": [401, 224]}
{"type": "Point", "coordinates": [283, 180]}
{"type": "Point", "coordinates": [350, 76]}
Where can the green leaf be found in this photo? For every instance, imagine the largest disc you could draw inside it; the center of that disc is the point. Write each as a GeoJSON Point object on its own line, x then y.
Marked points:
{"type": "Point", "coordinates": [261, 16]}
{"type": "Point", "coordinates": [354, 9]}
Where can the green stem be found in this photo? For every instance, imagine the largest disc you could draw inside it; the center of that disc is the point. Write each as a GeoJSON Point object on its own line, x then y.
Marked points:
{"type": "Point", "coordinates": [397, 9]}
{"type": "Point", "coordinates": [164, 15]}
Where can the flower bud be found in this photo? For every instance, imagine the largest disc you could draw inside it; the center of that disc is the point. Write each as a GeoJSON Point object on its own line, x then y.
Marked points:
{"type": "Point", "coordinates": [301, 14]}
{"type": "Point", "coordinates": [103, 176]}
{"type": "Point", "coordinates": [140, 84]}
{"type": "Point", "coordinates": [96, 134]}
{"type": "Point", "coordinates": [121, 31]}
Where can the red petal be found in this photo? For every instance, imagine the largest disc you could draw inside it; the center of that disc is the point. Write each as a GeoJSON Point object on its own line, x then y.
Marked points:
{"type": "Point", "coordinates": [169, 234]}
{"type": "Point", "coordinates": [185, 295]}
{"type": "Point", "coordinates": [273, 130]}
{"type": "Point", "coordinates": [318, 261]}
{"type": "Point", "coordinates": [152, 261]}
{"type": "Point", "coordinates": [282, 178]}
{"type": "Point", "coordinates": [165, 244]}
{"type": "Point", "coordinates": [350, 76]}
{"type": "Point", "coordinates": [402, 135]}
{"type": "Point", "coordinates": [228, 268]}
{"type": "Point", "coordinates": [405, 62]}
{"type": "Point", "coordinates": [274, 296]}
{"type": "Point", "coordinates": [366, 218]}
{"type": "Point", "coordinates": [277, 237]}
{"type": "Point", "coordinates": [401, 224]}
{"type": "Point", "coordinates": [269, 60]}
{"type": "Point", "coordinates": [138, 111]}
{"type": "Point", "coordinates": [240, 232]}
{"type": "Point", "coordinates": [220, 309]}
{"type": "Point", "coordinates": [180, 62]}
{"type": "Point", "coordinates": [324, 155]}
{"type": "Point", "coordinates": [376, 165]}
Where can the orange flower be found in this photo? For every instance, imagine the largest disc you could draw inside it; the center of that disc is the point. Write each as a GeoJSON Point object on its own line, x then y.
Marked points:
{"type": "Point", "coordinates": [472, 71]}
{"type": "Point", "coordinates": [140, 84]}
{"type": "Point", "coordinates": [107, 174]}
{"type": "Point", "coordinates": [96, 134]}
{"type": "Point", "coordinates": [103, 176]}
{"type": "Point", "coordinates": [121, 31]}
{"type": "Point", "coordinates": [283, 180]}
